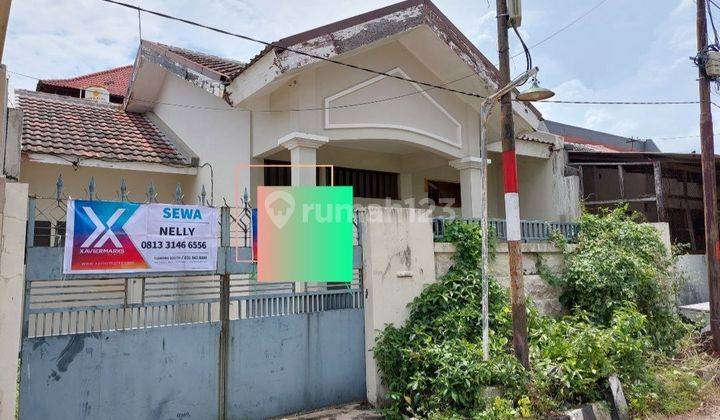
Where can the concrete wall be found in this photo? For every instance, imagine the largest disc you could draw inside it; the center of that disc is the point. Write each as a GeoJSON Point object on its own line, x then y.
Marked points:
{"type": "Point", "coordinates": [218, 134]}
{"type": "Point", "coordinates": [42, 178]}
{"type": "Point", "coordinates": [694, 270]}
{"type": "Point", "coordinates": [311, 87]}
{"type": "Point", "coordinates": [13, 202]}
{"type": "Point", "coordinates": [397, 264]}
{"type": "Point", "coordinates": [544, 295]}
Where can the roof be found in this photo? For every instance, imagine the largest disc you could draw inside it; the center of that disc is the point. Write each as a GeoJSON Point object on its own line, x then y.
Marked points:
{"type": "Point", "coordinates": [584, 139]}
{"type": "Point", "coordinates": [428, 8]}
{"type": "Point", "coordinates": [226, 69]}
{"type": "Point", "coordinates": [343, 36]}
{"type": "Point", "coordinates": [619, 157]}
{"type": "Point", "coordinates": [59, 125]}
{"type": "Point", "coordinates": [115, 80]}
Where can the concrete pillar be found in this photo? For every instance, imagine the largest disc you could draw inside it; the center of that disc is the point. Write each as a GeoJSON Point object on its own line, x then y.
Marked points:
{"type": "Point", "coordinates": [398, 262]}
{"type": "Point", "coordinates": [13, 204]}
{"type": "Point", "coordinates": [303, 160]}
{"type": "Point", "coordinates": [406, 187]}
{"type": "Point", "coordinates": [303, 156]}
{"type": "Point", "coordinates": [470, 185]}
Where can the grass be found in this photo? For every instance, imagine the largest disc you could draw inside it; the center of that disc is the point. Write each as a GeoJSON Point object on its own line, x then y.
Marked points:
{"type": "Point", "coordinates": [686, 380]}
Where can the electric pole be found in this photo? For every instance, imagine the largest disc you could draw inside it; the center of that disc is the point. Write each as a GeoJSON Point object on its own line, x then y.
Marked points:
{"type": "Point", "coordinates": [708, 180]}
{"type": "Point", "coordinates": [4, 17]}
{"type": "Point", "coordinates": [512, 202]}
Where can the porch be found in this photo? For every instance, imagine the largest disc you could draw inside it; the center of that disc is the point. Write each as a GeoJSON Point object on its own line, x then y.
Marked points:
{"type": "Point", "coordinates": [395, 173]}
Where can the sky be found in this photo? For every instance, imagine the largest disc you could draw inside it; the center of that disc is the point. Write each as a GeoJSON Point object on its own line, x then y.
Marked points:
{"type": "Point", "coordinates": [621, 51]}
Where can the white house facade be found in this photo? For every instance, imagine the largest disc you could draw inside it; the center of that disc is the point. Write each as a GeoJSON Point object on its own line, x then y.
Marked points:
{"type": "Point", "coordinates": [391, 139]}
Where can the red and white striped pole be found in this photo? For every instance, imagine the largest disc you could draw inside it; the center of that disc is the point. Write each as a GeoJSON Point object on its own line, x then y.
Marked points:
{"type": "Point", "coordinates": [512, 199]}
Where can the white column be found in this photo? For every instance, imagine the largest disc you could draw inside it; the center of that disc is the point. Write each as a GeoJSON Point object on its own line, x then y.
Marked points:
{"type": "Point", "coordinates": [303, 156]}
{"type": "Point", "coordinates": [470, 168]}
{"type": "Point", "coordinates": [406, 186]}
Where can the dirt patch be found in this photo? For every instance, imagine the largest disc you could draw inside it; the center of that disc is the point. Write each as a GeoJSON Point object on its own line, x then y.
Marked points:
{"type": "Point", "coordinates": [342, 412]}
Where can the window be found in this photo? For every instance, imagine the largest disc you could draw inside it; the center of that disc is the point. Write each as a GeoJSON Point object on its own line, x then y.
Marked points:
{"type": "Point", "coordinates": [369, 184]}
{"type": "Point", "coordinates": [276, 176]}
{"type": "Point", "coordinates": [444, 193]}
{"type": "Point", "coordinates": [365, 183]}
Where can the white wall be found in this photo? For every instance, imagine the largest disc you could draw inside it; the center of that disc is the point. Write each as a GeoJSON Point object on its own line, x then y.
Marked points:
{"type": "Point", "coordinates": [217, 133]}
{"type": "Point", "coordinates": [398, 262]}
{"type": "Point", "coordinates": [312, 86]}
{"type": "Point", "coordinates": [42, 179]}
{"type": "Point", "coordinates": [12, 280]}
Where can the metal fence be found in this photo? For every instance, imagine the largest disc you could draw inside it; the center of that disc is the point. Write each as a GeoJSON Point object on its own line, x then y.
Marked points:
{"type": "Point", "coordinates": [531, 230]}
{"type": "Point", "coordinates": [59, 304]}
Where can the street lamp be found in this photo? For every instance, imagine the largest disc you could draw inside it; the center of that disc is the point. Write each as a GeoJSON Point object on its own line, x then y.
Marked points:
{"type": "Point", "coordinates": [535, 93]}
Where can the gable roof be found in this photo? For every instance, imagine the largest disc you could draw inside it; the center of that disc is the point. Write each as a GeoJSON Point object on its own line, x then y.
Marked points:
{"type": "Point", "coordinates": [115, 80]}
{"type": "Point", "coordinates": [59, 125]}
{"type": "Point", "coordinates": [405, 15]}
{"type": "Point", "coordinates": [584, 139]}
{"type": "Point", "coordinates": [223, 69]}
{"type": "Point", "coordinates": [328, 41]}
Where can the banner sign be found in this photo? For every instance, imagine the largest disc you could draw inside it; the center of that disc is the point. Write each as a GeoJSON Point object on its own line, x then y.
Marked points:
{"type": "Point", "coordinates": [119, 237]}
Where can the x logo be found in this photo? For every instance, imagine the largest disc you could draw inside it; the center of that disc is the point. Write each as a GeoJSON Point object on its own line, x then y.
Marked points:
{"type": "Point", "coordinates": [100, 228]}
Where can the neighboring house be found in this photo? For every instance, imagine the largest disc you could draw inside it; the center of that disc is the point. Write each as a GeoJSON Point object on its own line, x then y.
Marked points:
{"type": "Point", "coordinates": [614, 170]}
{"type": "Point", "coordinates": [205, 121]}
{"type": "Point", "coordinates": [113, 82]}
{"type": "Point", "coordinates": [585, 140]}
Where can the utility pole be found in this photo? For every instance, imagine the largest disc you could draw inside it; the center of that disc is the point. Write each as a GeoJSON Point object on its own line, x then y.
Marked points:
{"type": "Point", "coordinates": [709, 180]}
{"type": "Point", "coordinates": [512, 202]}
{"type": "Point", "coordinates": [4, 16]}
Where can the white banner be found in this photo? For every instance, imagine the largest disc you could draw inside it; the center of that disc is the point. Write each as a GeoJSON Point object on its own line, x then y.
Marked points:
{"type": "Point", "coordinates": [119, 237]}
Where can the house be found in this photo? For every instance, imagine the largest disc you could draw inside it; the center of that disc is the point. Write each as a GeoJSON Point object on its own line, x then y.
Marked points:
{"type": "Point", "coordinates": [211, 124]}
{"type": "Point", "coordinates": [113, 83]}
{"type": "Point", "coordinates": [581, 139]}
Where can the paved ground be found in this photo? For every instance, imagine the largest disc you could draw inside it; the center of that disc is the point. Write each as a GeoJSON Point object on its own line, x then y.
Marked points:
{"type": "Point", "coordinates": [343, 412]}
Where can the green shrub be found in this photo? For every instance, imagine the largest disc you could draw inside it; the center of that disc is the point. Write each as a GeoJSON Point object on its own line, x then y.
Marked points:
{"type": "Point", "coordinates": [433, 365]}
{"type": "Point", "coordinates": [618, 261]}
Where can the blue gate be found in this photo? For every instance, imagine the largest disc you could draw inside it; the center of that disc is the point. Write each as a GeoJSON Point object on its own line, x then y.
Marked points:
{"type": "Point", "coordinates": [182, 345]}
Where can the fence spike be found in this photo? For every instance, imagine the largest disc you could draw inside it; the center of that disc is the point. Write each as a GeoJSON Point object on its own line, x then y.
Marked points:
{"type": "Point", "coordinates": [151, 193]}
{"type": "Point", "coordinates": [59, 187]}
{"type": "Point", "coordinates": [202, 195]}
{"type": "Point", "coordinates": [178, 194]}
{"type": "Point", "coordinates": [246, 198]}
{"type": "Point", "coordinates": [91, 189]}
{"type": "Point", "coordinates": [123, 190]}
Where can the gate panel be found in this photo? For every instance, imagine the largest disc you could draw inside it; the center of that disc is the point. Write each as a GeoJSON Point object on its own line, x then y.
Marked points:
{"type": "Point", "coordinates": [152, 373]}
{"type": "Point", "coordinates": [291, 363]}
{"type": "Point", "coordinates": [149, 345]}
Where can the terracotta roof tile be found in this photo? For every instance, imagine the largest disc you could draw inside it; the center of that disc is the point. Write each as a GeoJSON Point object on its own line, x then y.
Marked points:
{"type": "Point", "coordinates": [54, 124]}
{"type": "Point", "coordinates": [223, 66]}
{"type": "Point", "coordinates": [585, 145]}
{"type": "Point", "coordinates": [116, 81]}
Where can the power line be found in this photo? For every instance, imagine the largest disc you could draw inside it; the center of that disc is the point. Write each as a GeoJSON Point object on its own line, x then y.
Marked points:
{"type": "Point", "coordinates": [202, 107]}
{"type": "Point", "coordinates": [681, 137]}
{"type": "Point", "coordinates": [395, 98]}
{"type": "Point", "coordinates": [576, 20]}
{"type": "Point", "coordinates": [391, 98]}
{"type": "Point", "coordinates": [271, 44]}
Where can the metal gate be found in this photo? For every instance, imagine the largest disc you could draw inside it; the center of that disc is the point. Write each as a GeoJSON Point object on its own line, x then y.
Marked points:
{"type": "Point", "coordinates": [182, 345]}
